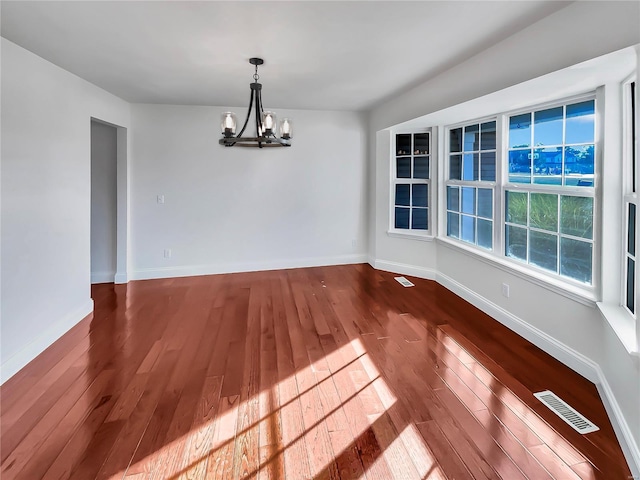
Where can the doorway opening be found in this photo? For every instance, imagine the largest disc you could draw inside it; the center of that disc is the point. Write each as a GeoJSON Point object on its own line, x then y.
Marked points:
{"type": "Point", "coordinates": [109, 212]}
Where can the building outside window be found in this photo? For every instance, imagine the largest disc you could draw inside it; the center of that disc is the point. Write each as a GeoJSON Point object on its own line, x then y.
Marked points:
{"type": "Point", "coordinates": [470, 185]}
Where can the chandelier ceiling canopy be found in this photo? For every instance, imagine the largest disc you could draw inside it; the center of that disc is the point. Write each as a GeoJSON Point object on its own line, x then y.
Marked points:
{"type": "Point", "coordinates": [265, 122]}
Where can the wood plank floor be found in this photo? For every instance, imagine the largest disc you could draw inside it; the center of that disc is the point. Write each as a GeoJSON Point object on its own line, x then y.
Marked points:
{"type": "Point", "coordinates": [316, 373]}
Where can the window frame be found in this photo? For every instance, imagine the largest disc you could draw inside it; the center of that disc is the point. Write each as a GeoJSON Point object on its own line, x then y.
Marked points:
{"type": "Point", "coordinates": [593, 192]}
{"type": "Point", "coordinates": [502, 185]}
{"type": "Point", "coordinates": [477, 184]}
{"type": "Point", "coordinates": [419, 234]}
{"type": "Point", "coordinates": [629, 195]}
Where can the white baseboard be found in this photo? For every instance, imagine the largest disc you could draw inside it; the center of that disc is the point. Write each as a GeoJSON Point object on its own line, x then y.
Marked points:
{"type": "Point", "coordinates": [191, 270]}
{"type": "Point", "coordinates": [403, 269]}
{"type": "Point", "coordinates": [620, 426]}
{"type": "Point", "coordinates": [570, 357]}
{"type": "Point", "coordinates": [121, 278]}
{"type": "Point", "coordinates": [43, 340]}
{"type": "Point", "coordinates": [102, 277]}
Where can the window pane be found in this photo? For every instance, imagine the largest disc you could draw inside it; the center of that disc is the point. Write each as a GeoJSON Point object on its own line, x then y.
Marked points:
{"type": "Point", "coordinates": [469, 200]}
{"type": "Point", "coordinates": [631, 230]}
{"type": "Point", "coordinates": [468, 233]}
{"type": "Point", "coordinates": [543, 250]}
{"type": "Point", "coordinates": [402, 218]}
{"type": "Point", "coordinates": [579, 166]}
{"type": "Point", "coordinates": [471, 166]}
{"type": "Point", "coordinates": [471, 138]}
{"type": "Point", "coordinates": [580, 127]}
{"type": "Point", "coordinates": [485, 202]}
{"type": "Point", "coordinates": [421, 167]}
{"type": "Point", "coordinates": [421, 144]}
{"type": "Point", "coordinates": [517, 207]}
{"type": "Point", "coordinates": [520, 166]}
{"type": "Point", "coordinates": [402, 195]}
{"type": "Point", "coordinates": [516, 242]}
{"type": "Point", "coordinates": [453, 225]}
{"type": "Point", "coordinates": [455, 140]}
{"type": "Point", "coordinates": [485, 233]}
{"type": "Point", "coordinates": [488, 166]}
{"type": "Point", "coordinates": [575, 259]}
{"type": "Point", "coordinates": [543, 211]}
{"type": "Point", "coordinates": [547, 129]}
{"type": "Point", "coordinates": [419, 198]}
{"type": "Point", "coordinates": [520, 131]}
{"type": "Point", "coordinates": [403, 167]}
{"type": "Point", "coordinates": [631, 282]}
{"type": "Point", "coordinates": [576, 216]}
{"type": "Point", "coordinates": [403, 144]}
{"type": "Point", "coordinates": [455, 167]}
{"type": "Point", "coordinates": [453, 199]}
{"type": "Point", "coordinates": [419, 219]}
{"type": "Point", "coordinates": [547, 166]}
{"type": "Point", "coordinates": [488, 136]}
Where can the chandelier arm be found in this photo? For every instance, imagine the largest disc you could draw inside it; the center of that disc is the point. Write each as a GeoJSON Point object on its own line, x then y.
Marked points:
{"type": "Point", "coordinates": [261, 105]}
{"type": "Point", "coordinates": [248, 116]}
{"type": "Point", "coordinates": [259, 132]}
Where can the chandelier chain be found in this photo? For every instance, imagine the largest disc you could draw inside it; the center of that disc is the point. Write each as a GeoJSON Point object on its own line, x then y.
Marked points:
{"type": "Point", "coordinates": [256, 77]}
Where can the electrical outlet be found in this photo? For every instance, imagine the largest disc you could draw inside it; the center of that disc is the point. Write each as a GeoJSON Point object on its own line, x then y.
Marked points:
{"type": "Point", "coordinates": [167, 253]}
{"type": "Point", "coordinates": [354, 243]}
{"type": "Point", "coordinates": [505, 290]}
{"type": "Point", "coordinates": [160, 198]}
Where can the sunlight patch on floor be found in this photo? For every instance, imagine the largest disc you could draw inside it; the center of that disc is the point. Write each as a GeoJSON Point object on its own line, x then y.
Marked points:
{"type": "Point", "coordinates": [302, 415]}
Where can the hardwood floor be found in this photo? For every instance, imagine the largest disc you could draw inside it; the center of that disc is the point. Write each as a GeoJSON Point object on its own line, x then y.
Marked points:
{"type": "Point", "coordinates": [317, 373]}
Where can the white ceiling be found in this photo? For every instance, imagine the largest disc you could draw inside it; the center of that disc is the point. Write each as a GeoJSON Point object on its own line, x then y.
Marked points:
{"type": "Point", "coordinates": [348, 55]}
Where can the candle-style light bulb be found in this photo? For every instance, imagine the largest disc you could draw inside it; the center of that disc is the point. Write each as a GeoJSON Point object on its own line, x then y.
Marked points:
{"type": "Point", "coordinates": [269, 122]}
{"type": "Point", "coordinates": [228, 124]}
{"type": "Point", "coordinates": [286, 129]}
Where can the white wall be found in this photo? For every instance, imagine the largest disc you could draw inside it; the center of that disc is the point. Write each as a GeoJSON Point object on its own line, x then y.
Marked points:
{"type": "Point", "coordinates": [103, 202]}
{"type": "Point", "coordinates": [235, 209]}
{"type": "Point", "coordinates": [575, 333]}
{"type": "Point", "coordinates": [46, 200]}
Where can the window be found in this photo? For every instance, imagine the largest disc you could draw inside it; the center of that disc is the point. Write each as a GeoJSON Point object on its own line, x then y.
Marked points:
{"type": "Point", "coordinates": [551, 231]}
{"type": "Point", "coordinates": [554, 146]}
{"type": "Point", "coordinates": [629, 295]}
{"type": "Point", "coordinates": [541, 174]}
{"type": "Point", "coordinates": [411, 182]}
{"type": "Point", "coordinates": [549, 218]}
{"type": "Point", "coordinates": [470, 183]}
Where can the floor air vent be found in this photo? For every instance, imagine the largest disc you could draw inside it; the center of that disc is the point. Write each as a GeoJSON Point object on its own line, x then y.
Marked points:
{"type": "Point", "coordinates": [566, 412]}
{"type": "Point", "coordinates": [404, 282]}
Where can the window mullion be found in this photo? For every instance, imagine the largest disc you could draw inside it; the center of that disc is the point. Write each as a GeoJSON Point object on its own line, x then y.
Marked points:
{"type": "Point", "coordinates": [499, 189]}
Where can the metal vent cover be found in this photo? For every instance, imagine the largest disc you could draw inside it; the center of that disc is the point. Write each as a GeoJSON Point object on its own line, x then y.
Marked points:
{"type": "Point", "coordinates": [404, 282]}
{"type": "Point", "coordinates": [567, 413]}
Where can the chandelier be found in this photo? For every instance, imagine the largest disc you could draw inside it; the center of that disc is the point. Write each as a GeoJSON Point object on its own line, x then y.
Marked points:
{"type": "Point", "coordinates": [265, 122]}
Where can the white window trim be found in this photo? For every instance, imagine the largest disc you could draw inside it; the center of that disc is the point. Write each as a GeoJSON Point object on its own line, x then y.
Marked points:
{"type": "Point", "coordinates": [444, 181]}
{"type": "Point", "coordinates": [423, 235]}
{"type": "Point", "coordinates": [613, 307]}
{"type": "Point", "coordinates": [587, 294]}
{"type": "Point", "coordinates": [628, 197]}
{"type": "Point", "coordinates": [398, 233]}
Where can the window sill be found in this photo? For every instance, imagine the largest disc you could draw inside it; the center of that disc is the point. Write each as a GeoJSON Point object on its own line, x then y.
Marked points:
{"type": "Point", "coordinates": [581, 295]}
{"type": "Point", "coordinates": [622, 324]}
{"type": "Point", "coordinates": [424, 237]}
